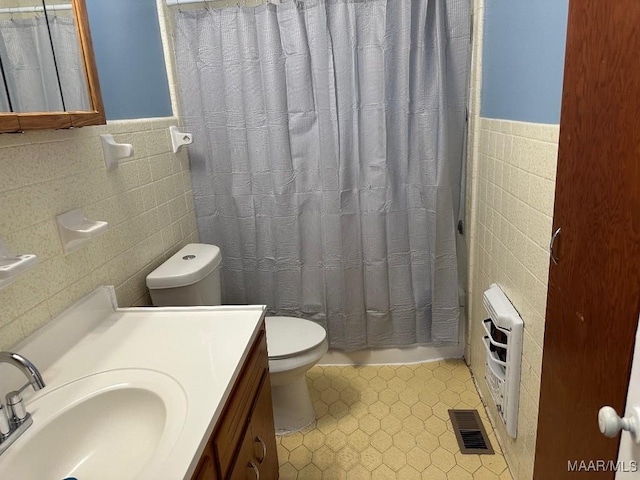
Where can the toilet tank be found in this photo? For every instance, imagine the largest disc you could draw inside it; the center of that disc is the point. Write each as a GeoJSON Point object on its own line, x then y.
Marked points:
{"type": "Point", "coordinates": [191, 277]}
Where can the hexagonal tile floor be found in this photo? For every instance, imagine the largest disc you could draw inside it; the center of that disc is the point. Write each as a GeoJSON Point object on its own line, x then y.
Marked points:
{"type": "Point", "coordinates": [388, 422]}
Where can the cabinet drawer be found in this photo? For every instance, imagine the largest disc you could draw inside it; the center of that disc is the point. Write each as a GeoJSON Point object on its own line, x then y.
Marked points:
{"type": "Point", "coordinates": [238, 407]}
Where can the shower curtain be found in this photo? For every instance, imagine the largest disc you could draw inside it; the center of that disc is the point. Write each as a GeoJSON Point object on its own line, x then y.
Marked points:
{"type": "Point", "coordinates": [326, 160]}
{"type": "Point", "coordinates": [30, 69]}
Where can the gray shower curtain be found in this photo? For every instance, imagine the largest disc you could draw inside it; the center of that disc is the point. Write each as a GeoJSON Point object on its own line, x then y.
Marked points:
{"type": "Point", "coordinates": [326, 159]}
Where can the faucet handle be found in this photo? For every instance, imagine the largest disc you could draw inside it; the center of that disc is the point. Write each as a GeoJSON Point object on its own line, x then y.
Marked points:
{"type": "Point", "coordinates": [5, 427]}
{"type": "Point", "coordinates": [15, 407]}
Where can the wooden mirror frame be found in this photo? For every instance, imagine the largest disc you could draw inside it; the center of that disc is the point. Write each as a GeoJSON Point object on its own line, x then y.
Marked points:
{"type": "Point", "coordinates": [16, 122]}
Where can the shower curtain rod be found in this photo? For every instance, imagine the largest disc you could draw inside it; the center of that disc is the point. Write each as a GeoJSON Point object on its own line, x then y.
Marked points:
{"type": "Point", "coordinates": [173, 3]}
{"type": "Point", "coordinates": [58, 6]}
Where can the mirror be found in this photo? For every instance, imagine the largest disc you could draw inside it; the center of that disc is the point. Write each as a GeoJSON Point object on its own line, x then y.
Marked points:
{"type": "Point", "coordinates": [48, 77]}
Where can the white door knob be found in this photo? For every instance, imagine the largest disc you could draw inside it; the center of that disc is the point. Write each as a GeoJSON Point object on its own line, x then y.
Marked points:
{"type": "Point", "coordinates": [610, 423]}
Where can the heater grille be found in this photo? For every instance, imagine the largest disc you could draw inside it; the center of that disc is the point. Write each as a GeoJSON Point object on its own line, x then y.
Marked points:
{"type": "Point", "coordinates": [503, 345]}
{"type": "Point", "coordinates": [470, 433]}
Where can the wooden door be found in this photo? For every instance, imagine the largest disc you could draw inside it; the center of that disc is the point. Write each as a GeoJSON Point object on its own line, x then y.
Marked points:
{"type": "Point", "coordinates": [629, 453]}
{"type": "Point", "coordinates": [594, 292]}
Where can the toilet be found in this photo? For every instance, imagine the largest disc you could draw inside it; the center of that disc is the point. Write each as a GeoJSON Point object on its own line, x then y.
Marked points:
{"type": "Point", "coordinates": [191, 277]}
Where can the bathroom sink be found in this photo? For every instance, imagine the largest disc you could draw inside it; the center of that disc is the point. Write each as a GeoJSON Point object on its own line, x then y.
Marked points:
{"type": "Point", "coordinates": [109, 425]}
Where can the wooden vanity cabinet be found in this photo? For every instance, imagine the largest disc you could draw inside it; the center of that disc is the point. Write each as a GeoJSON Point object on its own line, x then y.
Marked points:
{"type": "Point", "coordinates": [264, 438]}
{"type": "Point", "coordinates": [206, 468]}
{"type": "Point", "coordinates": [257, 458]}
{"type": "Point", "coordinates": [243, 443]}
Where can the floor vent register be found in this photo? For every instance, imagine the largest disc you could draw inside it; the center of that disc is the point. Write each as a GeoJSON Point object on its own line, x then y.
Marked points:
{"type": "Point", "coordinates": [470, 433]}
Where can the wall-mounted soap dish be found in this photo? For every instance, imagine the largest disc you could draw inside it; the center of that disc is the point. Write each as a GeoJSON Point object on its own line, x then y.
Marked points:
{"type": "Point", "coordinates": [75, 230]}
{"type": "Point", "coordinates": [114, 152]}
{"type": "Point", "coordinates": [12, 265]}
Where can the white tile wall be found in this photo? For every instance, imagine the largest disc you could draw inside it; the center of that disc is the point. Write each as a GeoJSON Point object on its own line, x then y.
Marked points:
{"type": "Point", "coordinates": [515, 167]}
{"type": "Point", "coordinates": [147, 201]}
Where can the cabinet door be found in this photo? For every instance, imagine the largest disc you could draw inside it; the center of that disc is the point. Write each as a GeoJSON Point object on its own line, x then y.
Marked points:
{"type": "Point", "coordinates": [237, 411]}
{"type": "Point", "coordinates": [263, 433]}
{"type": "Point", "coordinates": [206, 470]}
{"type": "Point", "coordinates": [246, 467]}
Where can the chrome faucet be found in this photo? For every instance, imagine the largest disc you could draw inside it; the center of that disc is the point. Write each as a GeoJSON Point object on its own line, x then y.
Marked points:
{"type": "Point", "coordinates": [14, 419]}
{"type": "Point", "coordinates": [26, 367]}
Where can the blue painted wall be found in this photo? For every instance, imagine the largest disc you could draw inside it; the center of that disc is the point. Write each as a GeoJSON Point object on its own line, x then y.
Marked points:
{"type": "Point", "coordinates": [128, 49]}
{"type": "Point", "coordinates": [523, 59]}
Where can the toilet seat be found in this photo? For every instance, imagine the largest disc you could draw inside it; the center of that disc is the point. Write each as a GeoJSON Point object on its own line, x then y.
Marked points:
{"type": "Point", "coordinates": [289, 336]}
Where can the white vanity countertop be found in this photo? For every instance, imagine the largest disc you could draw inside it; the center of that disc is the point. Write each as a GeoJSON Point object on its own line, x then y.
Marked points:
{"type": "Point", "coordinates": [202, 348]}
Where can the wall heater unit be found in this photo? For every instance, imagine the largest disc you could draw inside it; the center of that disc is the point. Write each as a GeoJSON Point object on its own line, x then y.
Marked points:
{"type": "Point", "coordinates": [503, 344]}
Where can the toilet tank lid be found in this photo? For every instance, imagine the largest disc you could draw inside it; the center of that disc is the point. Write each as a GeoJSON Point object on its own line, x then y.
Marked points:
{"type": "Point", "coordinates": [189, 265]}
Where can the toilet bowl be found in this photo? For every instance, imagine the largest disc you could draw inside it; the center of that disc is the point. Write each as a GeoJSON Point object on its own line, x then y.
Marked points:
{"type": "Point", "coordinates": [294, 345]}
{"type": "Point", "coordinates": [191, 277]}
